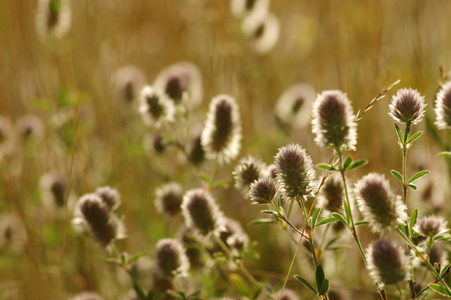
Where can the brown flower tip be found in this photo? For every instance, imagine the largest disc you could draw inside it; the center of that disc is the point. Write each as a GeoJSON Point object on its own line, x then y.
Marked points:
{"type": "Point", "coordinates": [407, 106]}
{"type": "Point", "coordinates": [169, 198]}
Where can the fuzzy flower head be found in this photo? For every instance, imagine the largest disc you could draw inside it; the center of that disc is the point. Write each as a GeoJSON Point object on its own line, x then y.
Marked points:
{"type": "Point", "coordinates": [221, 136]}
{"type": "Point", "coordinates": [180, 78]}
{"type": "Point", "coordinates": [443, 107]}
{"type": "Point", "coordinates": [246, 172]}
{"type": "Point", "coordinates": [54, 188]}
{"type": "Point", "coordinates": [93, 214]}
{"type": "Point", "coordinates": [201, 211]}
{"type": "Point", "coordinates": [263, 191]}
{"type": "Point", "coordinates": [196, 152]}
{"type": "Point", "coordinates": [7, 137]}
{"type": "Point", "coordinates": [127, 82]}
{"type": "Point", "coordinates": [295, 172]}
{"type": "Point", "coordinates": [13, 235]}
{"type": "Point", "coordinates": [262, 30]}
{"type": "Point", "coordinates": [333, 121]}
{"type": "Point", "coordinates": [331, 195]}
{"type": "Point", "coordinates": [168, 198]}
{"type": "Point", "coordinates": [387, 263]}
{"type": "Point", "coordinates": [294, 107]}
{"type": "Point", "coordinates": [287, 295]}
{"type": "Point", "coordinates": [241, 8]}
{"type": "Point", "coordinates": [110, 196]}
{"type": "Point", "coordinates": [407, 106]}
{"type": "Point", "coordinates": [170, 258]}
{"type": "Point", "coordinates": [378, 204]}
{"type": "Point", "coordinates": [30, 127]}
{"type": "Point", "coordinates": [53, 18]}
{"type": "Point", "coordinates": [432, 227]}
{"type": "Point", "coordinates": [233, 235]}
{"type": "Point", "coordinates": [87, 296]}
{"type": "Point", "coordinates": [155, 108]}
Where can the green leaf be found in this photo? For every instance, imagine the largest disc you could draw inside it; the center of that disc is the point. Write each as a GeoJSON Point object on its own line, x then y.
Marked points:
{"type": "Point", "coordinates": [445, 153]}
{"type": "Point", "coordinates": [362, 223]}
{"type": "Point", "coordinates": [315, 216]}
{"type": "Point", "coordinates": [326, 221]}
{"type": "Point", "coordinates": [319, 275]}
{"type": "Point", "coordinates": [414, 137]}
{"type": "Point", "coordinates": [398, 131]}
{"type": "Point", "coordinates": [444, 270]}
{"type": "Point", "coordinates": [326, 167]}
{"type": "Point", "coordinates": [134, 258]}
{"type": "Point", "coordinates": [306, 283]}
{"type": "Point", "coordinates": [440, 289]}
{"type": "Point", "coordinates": [261, 221]}
{"type": "Point", "coordinates": [348, 161]}
{"type": "Point", "coordinates": [271, 212]}
{"type": "Point", "coordinates": [418, 175]}
{"type": "Point", "coordinates": [356, 164]}
{"type": "Point", "coordinates": [413, 221]}
{"type": "Point", "coordinates": [339, 217]}
{"type": "Point", "coordinates": [412, 186]}
{"type": "Point", "coordinates": [397, 175]}
{"type": "Point", "coordinates": [324, 288]}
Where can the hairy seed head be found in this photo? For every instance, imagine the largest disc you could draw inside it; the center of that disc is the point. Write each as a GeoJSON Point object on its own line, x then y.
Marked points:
{"type": "Point", "coordinates": [241, 8]}
{"type": "Point", "coordinates": [333, 121]}
{"type": "Point", "coordinates": [432, 227]}
{"type": "Point", "coordinates": [443, 107]}
{"type": "Point", "coordinates": [53, 187]}
{"type": "Point", "coordinates": [331, 195]}
{"type": "Point", "coordinates": [246, 172]}
{"type": "Point", "coordinates": [127, 82]}
{"type": "Point", "coordinates": [168, 198]}
{"type": "Point", "coordinates": [30, 127]}
{"type": "Point", "coordinates": [87, 296]}
{"type": "Point", "coordinates": [170, 258]}
{"type": "Point", "coordinates": [221, 136]}
{"type": "Point", "coordinates": [201, 211]}
{"type": "Point", "coordinates": [378, 204]}
{"type": "Point", "coordinates": [13, 234]}
{"type": "Point", "coordinates": [407, 106]}
{"type": "Point", "coordinates": [180, 78]}
{"type": "Point", "coordinates": [110, 196]}
{"type": "Point", "coordinates": [155, 108]}
{"type": "Point", "coordinates": [287, 295]}
{"type": "Point", "coordinates": [387, 263]}
{"type": "Point", "coordinates": [263, 191]}
{"type": "Point", "coordinates": [196, 152]}
{"type": "Point", "coordinates": [53, 18]}
{"type": "Point", "coordinates": [262, 30]}
{"type": "Point", "coordinates": [295, 172]}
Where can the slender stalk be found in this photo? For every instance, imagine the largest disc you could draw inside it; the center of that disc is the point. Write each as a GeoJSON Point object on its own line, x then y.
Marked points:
{"type": "Point", "coordinates": [286, 220]}
{"type": "Point", "coordinates": [240, 266]}
{"type": "Point", "coordinates": [310, 233]}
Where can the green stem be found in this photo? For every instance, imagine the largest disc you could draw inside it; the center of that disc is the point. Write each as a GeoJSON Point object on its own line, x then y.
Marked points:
{"type": "Point", "coordinates": [423, 259]}
{"type": "Point", "coordinates": [310, 233]}
{"type": "Point", "coordinates": [286, 220]}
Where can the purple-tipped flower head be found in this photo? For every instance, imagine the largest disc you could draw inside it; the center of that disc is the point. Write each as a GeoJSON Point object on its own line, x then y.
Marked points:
{"type": "Point", "coordinates": [233, 234]}
{"type": "Point", "coordinates": [378, 204]}
{"type": "Point", "coordinates": [333, 121]}
{"type": "Point", "coordinates": [30, 127]}
{"type": "Point", "coordinates": [432, 227]}
{"type": "Point", "coordinates": [169, 198]}
{"type": "Point", "coordinates": [127, 82]}
{"type": "Point", "coordinates": [180, 78]}
{"type": "Point", "coordinates": [54, 187]}
{"type": "Point", "coordinates": [201, 211]}
{"type": "Point", "coordinates": [93, 214]}
{"type": "Point", "coordinates": [155, 107]}
{"type": "Point", "coordinates": [196, 152]}
{"type": "Point", "coordinates": [221, 136]}
{"type": "Point", "coordinates": [242, 8]}
{"type": "Point", "coordinates": [170, 258]}
{"type": "Point", "coordinates": [263, 191]}
{"type": "Point", "coordinates": [443, 107]}
{"type": "Point", "coordinates": [407, 106]}
{"type": "Point", "coordinates": [110, 196]}
{"type": "Point", "coordinates": [295, 172]}
{"type": "Point", "coordinates": [13, 234]}
{"type": "Point", "coordinates": [387, 263]}
{"type": "Point", "coordinates": [247, 171]}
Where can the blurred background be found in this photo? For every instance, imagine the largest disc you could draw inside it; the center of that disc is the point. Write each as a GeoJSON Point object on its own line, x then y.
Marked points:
{"type": "Point", "coordinates": [83, 129]}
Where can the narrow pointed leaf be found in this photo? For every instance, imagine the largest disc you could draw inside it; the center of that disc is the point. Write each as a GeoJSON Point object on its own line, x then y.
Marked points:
{"type": "Point", "coordinates": [348, 161]}
{"type": "Point", "coordinates": [326, 221]}
{"type": "Point", "coordinates": [398, 132]}
{"type": "Point", "coordinates": [326, 167]}
{"type": "Point", "coordinates": [306, 283]}
{"type": "Point", "coordinates": [440, 289]}
{"type": "Point", "coordinates": [413, 221]}
{"type": "Point", "coordinates": [362, 223]}
{"type": "Point", "coordinates": [315, 216]}
{"type": "Point", "coordinates": [134, 258]}
{"type": "Point", "coordinates": [261, 221]}
{"type": "Point", "coordinates": [445, 153]}
{"type": "Point", "coordinates": [347, 212]}
{"type": "Point", "coordinates": [414, 137]}
{"type": "Point", "coordinates": [339, 218]}
{"type": "Point", "coordinates": [319, 275]}
{"type": "Point", "coordinates": [358, 163]}
{"type": "Point", "coordinates": [418, 175]}
{"type": "Point", "coordinates": [412, 186]}
{"type": "Point", "coordinates": [444, 270]}
{"type": "Point", "coordinates": [397, 175]}
{"type": "Point", "coordinates": [324, 288]}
